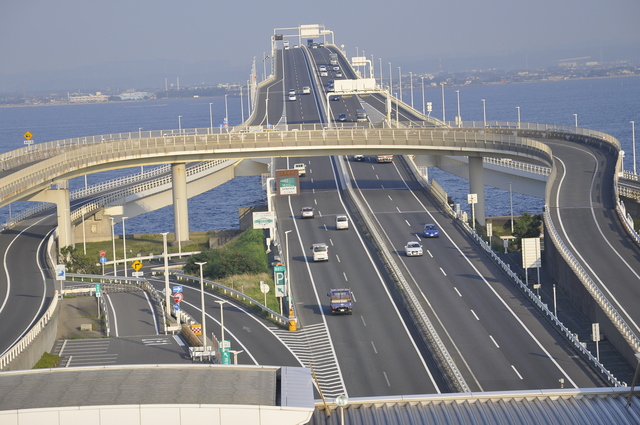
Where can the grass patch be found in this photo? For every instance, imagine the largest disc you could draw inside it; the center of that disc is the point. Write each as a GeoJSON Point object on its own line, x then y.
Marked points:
{"type": "Point", "coordinates": [47, 361]}
{"type": "Point", "coordinates": [249, 285]}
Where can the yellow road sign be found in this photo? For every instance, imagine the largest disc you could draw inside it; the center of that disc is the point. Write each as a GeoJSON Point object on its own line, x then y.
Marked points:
{"type": "Point", "coordinates": [28, 135]}
{"type": "Point", "coordinates": [137, 265]}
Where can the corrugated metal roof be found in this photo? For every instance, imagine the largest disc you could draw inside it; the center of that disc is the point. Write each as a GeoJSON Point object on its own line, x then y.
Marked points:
{"type": "Point", "coordinates": [571, 406]}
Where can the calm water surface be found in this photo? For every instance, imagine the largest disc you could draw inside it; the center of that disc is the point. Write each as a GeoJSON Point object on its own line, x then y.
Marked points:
{"type": "Point", "coordinates": [606, 105]}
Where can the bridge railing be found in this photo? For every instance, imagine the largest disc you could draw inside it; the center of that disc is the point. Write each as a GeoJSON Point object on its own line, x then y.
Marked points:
{"type": "Point", "coordinates": [267, 144]}
{"type": "Point", "coordinates": [428, 330]}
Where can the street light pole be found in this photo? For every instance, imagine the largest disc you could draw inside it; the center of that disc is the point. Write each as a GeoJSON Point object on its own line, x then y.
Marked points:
{"type": "Point", "coordinates": [113, 240]}
{"type": "Point", "coordinates": [124, 246]}
{"type": "Point", "coordinates": [286, 248]}
{"type": "Point", "coordinates": [390, 79]}
{"type": "Point", "coordinates": [411, 86]}
{"type": "Point", "coordinates": [166, 275]}
{"type": "Point", "coordinates": [180, 124]}
{"type": "Point", "coordinates": [210, 117]}
{"type": "Point", "coordinates": [576, 119]}
{"type": "Point", "coordinates": [423, 104]}
{"type": "Point", "coordinates": [226, 109]}
{"type": "Point", "coordinates": [459, 119]}
{"type": "Point", "coordinates": [484, 112]}
{"type": "Point", "coordinates": [518, 108]}
{"type": "Point", "coordinates": [633, 144]}
{"type": "Point", "coordinates": [443, 114]}
{"type": "Point", "coordinates": [222, 302]}
{"type": "Point", "coordinates": [400, 82]}
{"type": "Point", "coordinates": [511, 205]}
{"type": "Point", "coordinates": [241, 105]}
{"type": "Point", "coordinates": [204, 318]}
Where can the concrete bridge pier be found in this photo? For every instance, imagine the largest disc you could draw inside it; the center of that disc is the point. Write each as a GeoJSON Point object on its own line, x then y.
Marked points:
{"type": "Point", "coordinates": [180, 206]}
{"type": "Point", "coordinates": [60, 197]}
{"type": "Point", "coordinates": [476, 185]}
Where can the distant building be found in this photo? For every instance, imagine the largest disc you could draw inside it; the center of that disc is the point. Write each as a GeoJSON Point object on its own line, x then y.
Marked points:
{"type": "Point", "coordinates": [137, 95]}
{"type": "Point", "coordinates": [87, 98]}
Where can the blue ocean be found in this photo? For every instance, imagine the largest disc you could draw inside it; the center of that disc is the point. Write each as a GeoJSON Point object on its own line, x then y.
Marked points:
{"type": "Point", "coordinates": [606, 105]}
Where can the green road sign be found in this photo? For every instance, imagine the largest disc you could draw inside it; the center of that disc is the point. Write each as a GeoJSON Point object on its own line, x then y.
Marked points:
{"type": "Point", "coordinates": [98, 290]}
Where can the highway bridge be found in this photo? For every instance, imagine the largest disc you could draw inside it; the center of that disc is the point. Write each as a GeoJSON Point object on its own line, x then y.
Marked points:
{"type": "Point", "coordinates": [475, 331]}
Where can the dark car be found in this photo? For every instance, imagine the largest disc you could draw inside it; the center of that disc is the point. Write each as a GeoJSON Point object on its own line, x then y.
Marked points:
{"type": "Point", "coordinates": [335, 97]}
{"type": "Point", "coordinates": [358, 157]}
{"type": "Point", "coordinates": [342, 117]}
{"type": "Point", "coordinates": [430, 231]}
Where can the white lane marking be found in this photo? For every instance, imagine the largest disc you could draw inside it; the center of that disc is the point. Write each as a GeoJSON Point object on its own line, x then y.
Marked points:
{"type": "Point", "coordinates": [338, 258]}
{"type": "Point", "coordinates": [390, 197]}
{"type": "Point", "coordinates": [475, 315]}
{"type": "Point", "coordinates": [345, 277]}
{"type": "Point", "coordinates": [494, 341]}
{"type": "Point", "coordinates": [443, 272]}
{"type": "Point", "coordinates": [569, 242]}
{"type": "Point", "coordinates": [387, 378]}
{"type": "Point", "coordinates": [407, 221]}
{"type": "Point", "coordinates": [516, 371]}
{"type": "Point", "coordinates": [430, 254]}
{"type": "Point", "coordinates": [153, 312]}
{"type": "Point", "coordinates": [374, 347]}
{"type": "Point", "coordinates": [113, 311]}
{"type": "Point", "coordinates": [363, 322]}
{"type": "Point", "coordinates": [456, 289]}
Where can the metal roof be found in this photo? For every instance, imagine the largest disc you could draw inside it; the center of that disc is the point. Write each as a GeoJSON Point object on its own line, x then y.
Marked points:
{"type": "Point", "coordinates": [571, 406]}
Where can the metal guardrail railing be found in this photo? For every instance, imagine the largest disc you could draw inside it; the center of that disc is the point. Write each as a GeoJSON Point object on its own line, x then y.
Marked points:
{"type": "Point", "coordinates": [267, 144]}
{"type": "Point", "coordinates": [518, 165]}
{"type": "Point", "coordinates": [525, 289]}
{"type": "Point", "coordinates": [31, 335]}
{"type": "Point", "coordinates": [429, 330]}
{"type": "Point", "coordinates": [277, 317]}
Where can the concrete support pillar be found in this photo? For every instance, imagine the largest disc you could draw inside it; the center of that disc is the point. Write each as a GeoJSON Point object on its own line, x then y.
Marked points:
{"type": "Point", "coordinates": [60, 197]}
{"type": "Point", "coordinates": [476, 185]}
{"type": "Point", "coordinates": [180, 207]}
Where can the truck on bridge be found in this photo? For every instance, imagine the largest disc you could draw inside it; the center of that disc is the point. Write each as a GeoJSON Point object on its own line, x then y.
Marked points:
{"type": "Point", "coordinates": [341, 301]}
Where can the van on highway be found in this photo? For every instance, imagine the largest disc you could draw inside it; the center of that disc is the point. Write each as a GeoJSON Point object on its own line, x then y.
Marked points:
{"type": "Point", "coordinates": [342, 222]}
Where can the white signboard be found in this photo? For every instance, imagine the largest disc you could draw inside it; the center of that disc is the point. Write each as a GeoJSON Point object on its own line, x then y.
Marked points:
{"type": "Point", "coordinates": [61, 272]}
{"type": "Point", "coordinates": [531, 253]}
{"type": "Point", "coordinates": [348, 86]}
{"type": "Point", "coordinates": [264, 220]}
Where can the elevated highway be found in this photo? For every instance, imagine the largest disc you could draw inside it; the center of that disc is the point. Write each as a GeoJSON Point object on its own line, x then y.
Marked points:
{"type": "Point", "coordinates": [301, 143]}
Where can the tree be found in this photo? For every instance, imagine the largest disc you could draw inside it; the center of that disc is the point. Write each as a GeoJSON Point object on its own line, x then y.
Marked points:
{"type": "Point", "coordinates": [527, 226]}
{"type": "Point", "coordinates": [76, 261]}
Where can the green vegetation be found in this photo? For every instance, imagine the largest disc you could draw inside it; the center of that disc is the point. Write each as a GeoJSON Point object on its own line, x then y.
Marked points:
{"type": "Point", "coordinates": [243, 255]}
{"type": "Point", "coordinates": [47, 361]}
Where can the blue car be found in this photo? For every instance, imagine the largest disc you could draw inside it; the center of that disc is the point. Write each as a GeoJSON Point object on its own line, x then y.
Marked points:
{"type": "Point", "coordinates": [430, 231]}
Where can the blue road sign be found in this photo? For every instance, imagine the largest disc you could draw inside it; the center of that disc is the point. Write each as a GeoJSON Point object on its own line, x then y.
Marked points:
{"type": "Point", "coordinates": [176, 307]}
{"type": "Point", "coordinates": [103, 260]}
{"type": "Point", "coordinates": [177, 289]}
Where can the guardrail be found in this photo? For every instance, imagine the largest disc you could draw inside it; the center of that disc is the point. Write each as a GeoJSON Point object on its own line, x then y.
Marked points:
{"type": "Point", "coordinates": [240, 145]}
{"type": "Point", "coordinates": [276, 317]}
{"type": "Point", "coordinates": [33, 333]}
{"type": "Point", "coordinates": [428, 330]}
{"type": "Point", "coordinates": [548, 314]}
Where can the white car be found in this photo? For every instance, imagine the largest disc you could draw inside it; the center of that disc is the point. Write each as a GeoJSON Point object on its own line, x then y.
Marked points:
{"type": "Point", "coordinates": [292, 96]}
{"type": "Point", "coordinates": [342, 222]}
{"type": "Point", "coordinates": [306, 90]}
{"type": "Point", "coordinates": [413, 249]}
{"type": "Point", "coordinates": [307, 212]}
{"type": "Point", "coordinates": [320, 252]}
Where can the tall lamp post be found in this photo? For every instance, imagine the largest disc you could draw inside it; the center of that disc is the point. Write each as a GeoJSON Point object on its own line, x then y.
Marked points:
{"type": "Point", "coordinates": [113, 240]}
{"type": "Point", "coordinates": [423, 104]}
{"type": "Point", "coordinates": [222, 302]}
{"type": "Point", "coordinates": [226, 108]}
{"type": "Point", "coordinates": [390, 79]}
{"type": "Point", "coordinates": [484, 112]}
{"type": "Point", "coordinates": [342, 400]}
{"type": "Point", "coordinates": [167, 292]}
{"type": "Point", "coordinates": [124, 246]}
{"type": "Point", "coordinates": [518, 108]}
{"type": "Point", "coordinates": [180, 124]}
{"type": "Point", "coordinates": [286, 248]}
{"type": "Point", "coordinates": [210, 117]}
{"type": "Point", "coordinates": [204, 318]}
{"type": "Point", "coordinates": [633, 144]}
{"type": "Point", "coordinates": [400, 82]}
{"type": "Point", "coordinates": [459, 118]}
{"type": "Point", "coordinates": [411, 86]}
{"type": "Point", "coordinates": [443, 114]}
{"type": "Point", "coordinates": [576, 120]}
{"type": "Point", "coordinates": [140, 137]}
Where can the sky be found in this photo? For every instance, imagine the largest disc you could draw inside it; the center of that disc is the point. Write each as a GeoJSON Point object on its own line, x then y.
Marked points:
{"type": "Point", "coordinates": [216, 41]}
